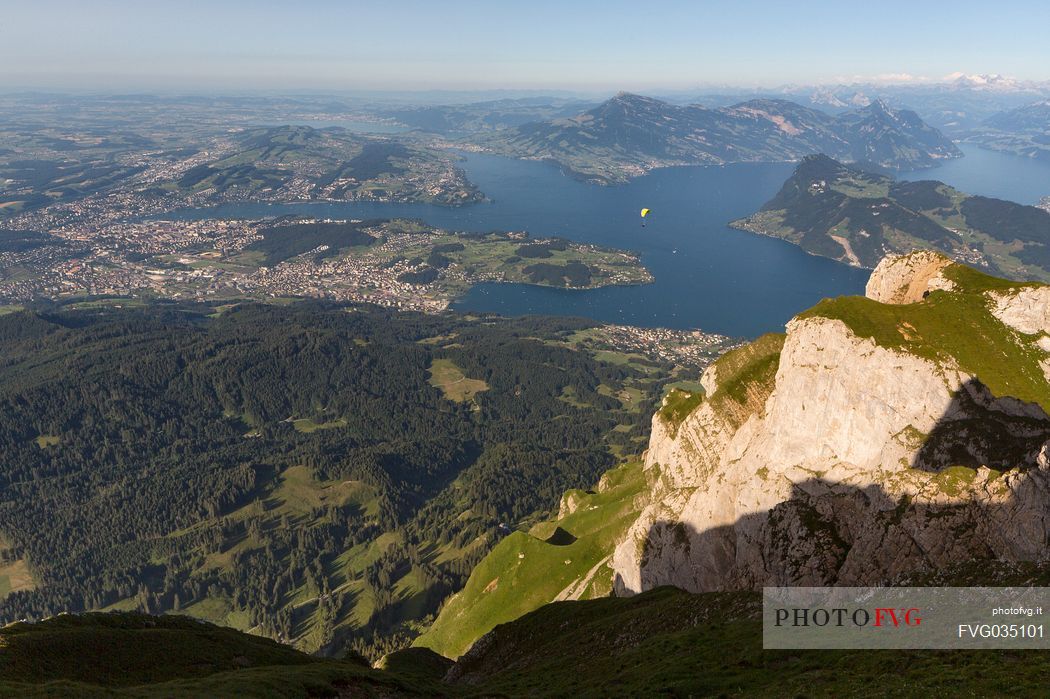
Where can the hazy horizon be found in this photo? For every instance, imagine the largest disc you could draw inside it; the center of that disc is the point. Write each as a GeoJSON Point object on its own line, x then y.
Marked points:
{"type": "Point", "coordinates": [586, 47]}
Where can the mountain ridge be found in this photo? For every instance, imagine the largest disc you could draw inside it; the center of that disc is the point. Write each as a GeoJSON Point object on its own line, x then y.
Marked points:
{"type": "Point", "coordinates": [1023, 131]}
{"type": "Point", "coordinates": [849, 453]}
{"type": "Point", "coordinates": [857, 216]}
{"type": "Point", "coordinates": [630, 134]}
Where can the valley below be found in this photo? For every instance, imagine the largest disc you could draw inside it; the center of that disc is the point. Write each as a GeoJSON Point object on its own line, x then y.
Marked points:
{"type": "Point", "coordinates": [320, 474]}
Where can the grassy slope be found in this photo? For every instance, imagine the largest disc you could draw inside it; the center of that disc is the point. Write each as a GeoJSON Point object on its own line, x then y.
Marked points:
{"type": "Point", "coordinates": [14, 573]}
{"type": "Point", "coordinates": [506, 585]}
{"type": "Point", "coordinates": [662, 642]}
{"type": "Point", "coordinates": [139, 655]}
{"type": "Point", "coordinates": [1003, 359]}
{"type": "Point", "coordinates": [667, 642]}
{"type": "Point", "coordinates": [444, 374]}
{"type": "Point", "coordinates": [524, 571]}
{"type": "Point", "coordinates": [678, 404]}
{"type": "Point", "coordinates": [125, 649]}
{"type": "Point", "coordinates": [745, 378]}
{"type": "Point", "coordinates": [15, 576]}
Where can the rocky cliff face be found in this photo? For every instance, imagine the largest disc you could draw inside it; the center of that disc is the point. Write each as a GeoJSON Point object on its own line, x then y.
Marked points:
{"type": "Point", "coordinates": [870, 442]}
{"type": "Point", "coordinates": [908, 278]}
{"type": "Point", "coordinates": [1028, 311]}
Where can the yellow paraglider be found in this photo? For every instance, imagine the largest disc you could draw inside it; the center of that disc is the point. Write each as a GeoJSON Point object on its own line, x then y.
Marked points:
{"type": "Point", "coordinates": [645, 212]}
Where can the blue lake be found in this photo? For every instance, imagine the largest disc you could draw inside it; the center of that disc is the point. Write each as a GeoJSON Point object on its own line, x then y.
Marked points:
{"type": "Point", "coordinates": [992, 174]}
{"type": "Point", "coordinates": [708, 275]}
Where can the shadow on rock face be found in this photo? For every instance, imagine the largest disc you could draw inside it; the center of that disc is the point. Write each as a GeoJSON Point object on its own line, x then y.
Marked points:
{"type": "Point", "coordinates": [978, 429]}
{"type": "Point", "coordinates": [829, 533]}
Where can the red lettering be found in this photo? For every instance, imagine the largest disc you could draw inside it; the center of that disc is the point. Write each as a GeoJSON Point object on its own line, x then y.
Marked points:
{"type": "Point", "coordinates": [879, 611]}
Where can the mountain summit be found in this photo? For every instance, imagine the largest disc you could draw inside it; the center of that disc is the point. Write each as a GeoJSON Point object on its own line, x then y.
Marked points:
{"type": "Point", "coordinates": [630, 134]}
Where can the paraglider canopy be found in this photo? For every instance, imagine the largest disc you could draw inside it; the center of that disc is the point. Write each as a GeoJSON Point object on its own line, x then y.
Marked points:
{"type": "Point", "coordinates": [645, 212]}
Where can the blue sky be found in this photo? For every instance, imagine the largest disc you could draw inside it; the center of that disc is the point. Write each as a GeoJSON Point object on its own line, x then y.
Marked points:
{"type": "Point", "coordinates": [466, 45]}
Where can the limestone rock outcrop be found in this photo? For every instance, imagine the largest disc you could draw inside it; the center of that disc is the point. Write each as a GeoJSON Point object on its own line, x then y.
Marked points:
{"type": "Point", "coordinates": [907, 278]}
{"type": "Point", "coordinates": [856, 464]}
{"type": "Point", "coordinates": [1026, 310]}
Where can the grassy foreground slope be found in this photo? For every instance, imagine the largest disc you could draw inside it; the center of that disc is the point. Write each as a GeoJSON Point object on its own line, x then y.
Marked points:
{"type": "Point", "coordinates": [131, 654]}
{"type": "Point", "coordinates": [664, 642]}
{"type": "Point", "coordinates": [563, 558]}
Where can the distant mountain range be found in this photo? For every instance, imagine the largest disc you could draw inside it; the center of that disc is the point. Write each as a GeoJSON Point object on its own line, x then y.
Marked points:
{"type": "Point", "coordinates": [856, 216]}
{"type": "Point", "coordinates": [629, 134]}
{"type": "Point", "coordinates": [1031, 117]}
{"type": "Point", "coordinates": [954, 105]}
{"type": "Point", "coordinates": [480, 117]}
{"type": "Point", "coordinates": [1023, 131]}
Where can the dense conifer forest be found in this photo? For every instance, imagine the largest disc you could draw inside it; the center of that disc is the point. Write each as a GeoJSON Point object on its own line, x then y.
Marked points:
{"type": "Point", "coordinates": [305, 471]}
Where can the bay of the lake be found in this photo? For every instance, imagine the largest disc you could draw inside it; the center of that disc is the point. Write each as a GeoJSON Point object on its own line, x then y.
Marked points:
{"type": "Point", "coordinates": [708, 276]}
